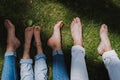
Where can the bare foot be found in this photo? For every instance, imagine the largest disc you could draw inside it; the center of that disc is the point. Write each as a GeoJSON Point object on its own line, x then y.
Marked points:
{"type": "Point", "coordinates": [12, 41]}
{"type": "Point", "coordinates": [76, 31]}
{"type": "Point", "coordinates": [105, 42]}
{"type": "Point", "coordinates": [55, 40]}
{"type": "Point", "coordinates": [28, 38]}
{"type": "Point", "coordinates": [37, 39]}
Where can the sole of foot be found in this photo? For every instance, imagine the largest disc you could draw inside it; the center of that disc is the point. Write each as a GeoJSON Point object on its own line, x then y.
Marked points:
{"type": "Point", "coordinates": [105, 42]}
{"type": "Point", "coordinates": [55, 40]}
{"type": "Point", "coordinates": [12, 41]}
{"type": "Point", "coordinates": [76, 31]}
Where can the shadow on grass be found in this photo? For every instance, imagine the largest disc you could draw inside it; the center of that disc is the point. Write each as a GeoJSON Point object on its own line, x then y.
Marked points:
{"type": "Point", "coordinates": [101, 11]}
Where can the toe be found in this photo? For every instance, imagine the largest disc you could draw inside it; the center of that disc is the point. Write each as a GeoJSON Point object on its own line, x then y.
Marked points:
{"type": "Point", "coordinates": [8, 23]}
{"type": "Point", "coordinates": [77, 19]}
{"type": "Point", "coordinates": [36, 28]}
{"type": "Point", "coordinates": [58, 25]}
{"type": "Point", "coordinates": [72, 23]}
{"type": "Point", "coordinates": [103, 26]}
{"type": "Point", "coordinates": [103, 29]}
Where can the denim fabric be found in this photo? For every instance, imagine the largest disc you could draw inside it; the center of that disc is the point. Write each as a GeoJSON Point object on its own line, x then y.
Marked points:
{"type": "Point", "coordinates": [112, 63]}
{"type": "Point", "coordinates": [78, 65]}
{"type": "Point", "coordinates": [40, 69]}
{"type": "Point", "coordinates": [59, 69]}
{"type": "Point", "coordinates": [9, 71]}
{"type": "Point", "coordinates": [26, 70]}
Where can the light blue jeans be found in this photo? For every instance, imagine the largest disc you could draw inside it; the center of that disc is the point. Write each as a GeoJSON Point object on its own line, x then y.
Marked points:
{"type": "Point", "coordinates": [112, 63]}
{"type": "Point", "coordinates": [40, 68]}
{"type": "Point", "coordinates": [9, 71]}
{"type": "Point", "coordinates": [78, 65]}
{"type": "Point", "coordinates": [59, 68]}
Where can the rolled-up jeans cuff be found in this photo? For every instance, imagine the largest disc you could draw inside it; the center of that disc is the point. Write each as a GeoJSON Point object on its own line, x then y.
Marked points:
{"type": "Point", "coordinates": [39, 56]}
{"type": "Point", "coordinates": [78, 47]}
{"type": "Point", "coordinates": [55, 52]}
{"type": "Point", "coordinates": [10, 53]}
{"type": "Point", "coordinates": [28, 61]}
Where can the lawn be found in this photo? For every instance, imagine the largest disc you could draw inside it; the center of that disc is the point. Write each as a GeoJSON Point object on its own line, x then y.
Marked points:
{"type": "Point", "coordinates": [46, 13]}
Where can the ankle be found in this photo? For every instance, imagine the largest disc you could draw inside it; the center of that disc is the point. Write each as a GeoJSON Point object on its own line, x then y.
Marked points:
{"type": "Point", "coordinates": [26, 56]}
{"type": "Point", "coordinates": [78, 43]}
{"type": "Point", "coordinates": [10, 48]}
{"type": "Point", "coordinates": [27, 46]}
{"type": "Point", "coordinates": [56, 48]}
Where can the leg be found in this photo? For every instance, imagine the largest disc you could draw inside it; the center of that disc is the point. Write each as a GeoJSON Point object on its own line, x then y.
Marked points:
{"type": "Point", "coordinates": [78, 65]}
{"type": "Point", "coordinates": [26, 71]}
{"type": "Point", "coordinates": [59, 70]}
{"type": "Point", "coordinates": [9, 68]}
{"type": "Point", "coordinates": [109, 56]}
{"type": "Point", "coordinates": [40, 59]}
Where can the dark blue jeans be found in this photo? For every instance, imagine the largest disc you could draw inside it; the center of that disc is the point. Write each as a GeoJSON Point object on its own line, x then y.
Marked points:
{"type": "Point", "coordinates": [9, 71]}
{"type": "Point", "coordinates": [59, 68]}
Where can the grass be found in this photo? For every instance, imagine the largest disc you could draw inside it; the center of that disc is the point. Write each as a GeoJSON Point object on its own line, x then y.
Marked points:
{"type": "Point", "coordinates": [46, 13]}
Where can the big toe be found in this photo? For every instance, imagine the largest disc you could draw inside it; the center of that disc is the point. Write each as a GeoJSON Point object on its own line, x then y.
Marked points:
{"type": "Point", "coordinates": [8, 23]}
{"type": "Point", "coordinates": [28, 29]}
{"type": "Point", "coordinates": [78, 19]}
{"type": "Point", "coordinates": [58, 25]}
{"type": "Point", "coordinates": [103, 28]}
{"type": "Point", "coordinates": [36, 28]}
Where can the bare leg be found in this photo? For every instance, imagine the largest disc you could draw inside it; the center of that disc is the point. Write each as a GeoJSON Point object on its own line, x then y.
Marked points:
{"type": "Point", "coordinates": [26, 70]}
{"type": "Point", "coordinates": [105, 42]}
{"type": "Point", "coordinates": [76, 30]}
{"type": "Point", "coordinates": [40, 59]}
{"type": "Point", "coordinates": [9, 68]}
{"type": "Point", "coordinates": [110, 57]}
{"type": "Point", "coordinates": [78, 65]}
{"type": "Point", "coordinates": [38, 40]}
{"type": "Point", "coordinates": [55, 40]}
{"type": "Point", "coordinates": [28, 38]}
{"type": "Point", "coordinates": [12, 42]}
{"type": "Point", "coordinates": [59, 69]}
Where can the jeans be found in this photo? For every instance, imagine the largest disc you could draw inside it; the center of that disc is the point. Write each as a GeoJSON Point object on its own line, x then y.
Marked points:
{"type": "Point", "coordinates": [9, 71]}
{"type": "Point", "coordinates": [40, 69]}
{"type": "Point", "coordinates": [59, 69]}
{"type": "Point", "coordinates": [112, 63]}
{"type": "Point", "coordinates": [78, 65]}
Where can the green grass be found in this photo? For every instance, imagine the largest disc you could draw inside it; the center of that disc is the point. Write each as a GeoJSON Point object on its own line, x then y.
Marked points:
{"type": "Point", "coordinates": [46, 13]}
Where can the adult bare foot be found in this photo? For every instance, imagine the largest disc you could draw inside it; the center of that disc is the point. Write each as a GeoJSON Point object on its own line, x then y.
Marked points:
{"type": "Point", "coordinates": [55, 40]}
{"type": "Point", "coordinates": [105, 42]}
{"type": "Point", "coordinates": [28, 38]}
{"type": "Point", "coordinates": [37, 39]}
{"type": "Point", "coordinates": [76, 31]}
{"type": "Point", "coordinates": [12, 41]}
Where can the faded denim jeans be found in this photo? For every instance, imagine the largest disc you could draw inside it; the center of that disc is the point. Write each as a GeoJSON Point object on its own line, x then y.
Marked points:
{"type": "Point", "coordinates": [9, 71]}
{"type": "Point", "coordinates": [78, 65]}
{"type": "Point", "coordinates": [40, 68]}
{"type": "Point", "coordinates": [112, 63]}
{"type": "Point", "coordinates": [59, 68]}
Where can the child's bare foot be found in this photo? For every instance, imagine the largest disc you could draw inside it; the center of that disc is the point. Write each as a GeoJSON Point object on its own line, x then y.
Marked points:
{"type": "Point", "coordinates": [76, 31]}
{"type": "Point", "coordinates": [105, 42]}
{"type": "Point", "coordinates": [12, 41]}
{"type": "Point", "coordinates": [37, 39]}
{"type": "Point", "coordinates": [55, 40]}
{"type": "Point", "coordinates": [28, 38]}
